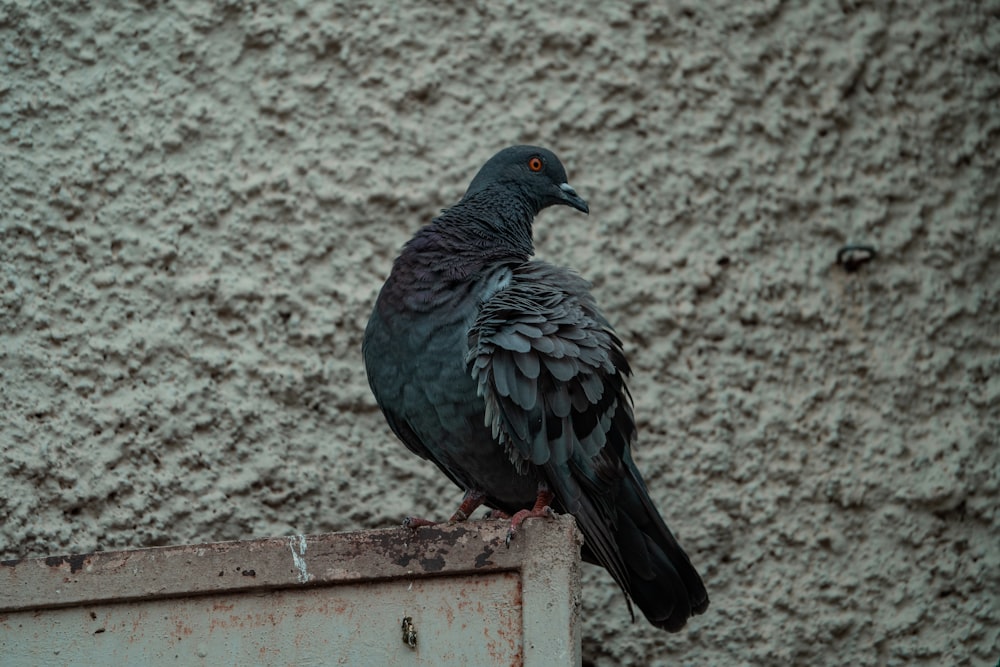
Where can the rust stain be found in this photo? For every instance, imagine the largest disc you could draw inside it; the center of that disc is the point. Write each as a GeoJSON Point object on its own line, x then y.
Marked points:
{"type": "Point", "coordinates": [504, 639]}
{"type": "Point", "coordinates": [138, 621]}
{"type": "Point", "coordinates": [448, 613]}
{"type": "Point", "coordinates": [217, 623]}
{"type": "Point", "coordinates": [120, 565]}
{"type": "Point", "coordinates": [180, 628]}
{"type": "Point", "coordinates": [503, 636]}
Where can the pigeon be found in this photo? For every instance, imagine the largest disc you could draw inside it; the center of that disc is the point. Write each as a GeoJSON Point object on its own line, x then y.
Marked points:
{"type": "Point", "coordinates": [502, 371]}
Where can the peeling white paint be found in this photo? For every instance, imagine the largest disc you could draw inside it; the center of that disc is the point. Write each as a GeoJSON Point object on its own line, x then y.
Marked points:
{"type": "Point", "coordinates": [299, 557]}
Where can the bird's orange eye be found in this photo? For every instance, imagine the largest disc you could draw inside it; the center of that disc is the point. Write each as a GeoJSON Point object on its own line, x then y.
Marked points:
{"type": "Point", "coordinates": [535, 164]}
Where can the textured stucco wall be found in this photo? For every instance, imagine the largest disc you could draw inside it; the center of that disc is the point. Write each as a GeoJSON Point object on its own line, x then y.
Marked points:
{"type": "Point", "coordinates": [199, 201]}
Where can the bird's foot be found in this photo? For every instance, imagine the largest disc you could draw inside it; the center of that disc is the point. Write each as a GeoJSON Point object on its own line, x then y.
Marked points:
{"type": "Point", "coordinates": [540, 510]}
{"type": "Point", "coordinates": [470, 502]}
{"type": "Point", "coordinates": [496, 515]}
{"type": "Point", "coordinates": [545, 512]}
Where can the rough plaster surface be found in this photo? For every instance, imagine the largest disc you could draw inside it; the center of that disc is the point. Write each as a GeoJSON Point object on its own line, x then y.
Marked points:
{"type": "Point", "coordinates": [199, 201]}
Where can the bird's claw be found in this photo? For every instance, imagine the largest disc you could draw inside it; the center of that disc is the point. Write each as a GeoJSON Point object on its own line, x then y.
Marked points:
{"type": "Point", "coordinates": [510, 534]}
{"type": "Point", "coordinates": [516, 521]}
{"type": "Point", "coordinates": [414, 522]}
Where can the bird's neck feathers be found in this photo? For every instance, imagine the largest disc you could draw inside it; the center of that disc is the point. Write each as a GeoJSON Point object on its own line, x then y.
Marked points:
{"type": "Point", "coordinates": [485, 227]}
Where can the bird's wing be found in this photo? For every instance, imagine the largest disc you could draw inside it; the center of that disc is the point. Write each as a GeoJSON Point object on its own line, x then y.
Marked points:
{"type": "Point", "coordinates": [552, 374]}
{"type": "Point", "coordinates": [551, 369]}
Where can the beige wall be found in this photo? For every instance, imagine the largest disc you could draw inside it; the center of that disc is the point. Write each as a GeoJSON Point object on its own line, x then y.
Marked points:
{"type": "Point", "coordinates": [199, 201]}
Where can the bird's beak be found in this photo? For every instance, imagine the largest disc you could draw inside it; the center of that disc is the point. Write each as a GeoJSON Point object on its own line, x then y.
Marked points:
{"type": "Point", "coordinates": [570, 198]}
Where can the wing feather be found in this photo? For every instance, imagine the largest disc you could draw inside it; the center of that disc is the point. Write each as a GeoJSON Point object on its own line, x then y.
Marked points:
{"type": "Point", "coordinates": [552, 374]}
{"type": "Point", "coordinates": [542, 353]}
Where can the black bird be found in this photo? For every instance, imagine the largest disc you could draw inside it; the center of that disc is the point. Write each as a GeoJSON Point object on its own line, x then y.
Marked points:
{"type": "Point", "coordinates": [503, 372]}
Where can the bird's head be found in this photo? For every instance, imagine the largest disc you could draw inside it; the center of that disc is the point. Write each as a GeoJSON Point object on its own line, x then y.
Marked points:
{"type": "Point", "coordinates": [532, 172]}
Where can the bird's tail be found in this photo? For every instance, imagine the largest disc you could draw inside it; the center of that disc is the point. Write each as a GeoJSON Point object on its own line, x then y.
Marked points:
{"type": "Point", "coordinates": [624, 533]}
{"type": "Point", "coordinates": [661, 579]}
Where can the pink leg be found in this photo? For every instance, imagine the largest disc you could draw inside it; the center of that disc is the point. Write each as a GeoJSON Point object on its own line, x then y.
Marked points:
{"type": "Point", "coordinates": [540, 510]}
{"type": "Point", "coordinates": [470, 501]}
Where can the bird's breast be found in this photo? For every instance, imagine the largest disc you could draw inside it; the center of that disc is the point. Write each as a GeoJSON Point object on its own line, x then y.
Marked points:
{"type": "Point", "coordinates": [415, 352]}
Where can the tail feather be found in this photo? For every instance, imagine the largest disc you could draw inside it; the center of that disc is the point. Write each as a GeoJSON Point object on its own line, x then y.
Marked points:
{"type": "Point", "coordinates": [652, 568]}
{"type": "Point", "coordinates": [624, 533]}
{"type": "Point", "coordinates": [663, 582]}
